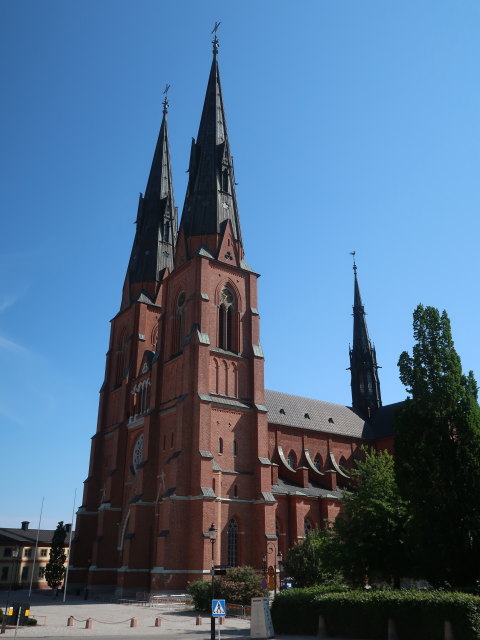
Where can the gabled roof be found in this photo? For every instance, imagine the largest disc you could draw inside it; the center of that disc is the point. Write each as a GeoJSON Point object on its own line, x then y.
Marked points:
{"type": "Point", "coordinates": [318, 415]}
{"type": "Point", "coordinates": [27, 537]}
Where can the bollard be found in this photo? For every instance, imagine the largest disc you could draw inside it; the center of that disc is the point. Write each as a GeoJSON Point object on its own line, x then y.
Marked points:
{"type": "Point", "coordinates": [133, 622]}
{"type": "Point", "coordinates": [448, 631]}
{"type": "Point", "coordinates": [198, 620]}
{"type": "Point", "coordinates": [88, 623]}
{"type": "Point", "coordinates": [392, 630]}
{"type": "Point", "coordinates": [322, 627]}
{"type": "Point", "coordinates": [158, 622]}
{"type": "Point", "coordinates": [70, 621]}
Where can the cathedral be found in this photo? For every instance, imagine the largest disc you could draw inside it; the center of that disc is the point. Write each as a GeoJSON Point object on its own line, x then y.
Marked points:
{"type": "Point", "coordinates": [187, 434]}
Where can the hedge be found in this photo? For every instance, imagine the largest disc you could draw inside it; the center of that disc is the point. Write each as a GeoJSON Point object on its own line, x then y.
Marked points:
{"type": "Point", "coordinates": [418, 615]}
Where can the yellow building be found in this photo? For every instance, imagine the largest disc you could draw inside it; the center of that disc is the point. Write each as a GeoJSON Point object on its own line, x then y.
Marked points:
{"type": "Point", "coordinates": [18, 558]}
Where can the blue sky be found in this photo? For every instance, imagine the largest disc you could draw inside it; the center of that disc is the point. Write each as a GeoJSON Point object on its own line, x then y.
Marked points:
{"type": "Point", "coordinates": [354, 126]}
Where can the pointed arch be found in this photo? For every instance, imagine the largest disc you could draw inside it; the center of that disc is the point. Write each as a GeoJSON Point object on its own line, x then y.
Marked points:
{"type": "Point", "coordinates": [232, 543]}
{"type": "Point", "coordinates": [228, 319]}
{"type": "Point", "coordinates": [318, 462]}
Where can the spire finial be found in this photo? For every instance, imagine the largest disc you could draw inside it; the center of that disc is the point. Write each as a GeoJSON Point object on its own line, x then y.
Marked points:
{"type": "Point", "coordinates": [165, 100]}
{"type": "Point", "coordinates": [352, 253]}
{"type": "Point", "coordinates": [215, 39]}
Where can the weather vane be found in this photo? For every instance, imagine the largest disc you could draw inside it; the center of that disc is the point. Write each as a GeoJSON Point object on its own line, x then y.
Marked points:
{"type": "Point", "coordinates": [165, 100]}
{"type": "Point", "coordinates": [352, 253]}
{"type": "Point", "coordinates": [215, 39]}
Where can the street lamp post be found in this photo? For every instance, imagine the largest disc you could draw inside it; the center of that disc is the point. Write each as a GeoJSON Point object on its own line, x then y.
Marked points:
{"type": "Point", "coordinates": [212, 533]}
{"type": "Point", "coordinates": [15, 554]}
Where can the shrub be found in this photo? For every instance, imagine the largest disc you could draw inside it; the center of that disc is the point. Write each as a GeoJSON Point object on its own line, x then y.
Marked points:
{"type": "Point", "coordinates": [201, 592]}
{"type": "Point", "coordinates": [239, 586]}
{"type": "Point", "coordinates": [364, 614]}
{"type": "Point", "coordinates": [31, 622]}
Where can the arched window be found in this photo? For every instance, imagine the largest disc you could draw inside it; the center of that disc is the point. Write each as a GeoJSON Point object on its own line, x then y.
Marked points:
{"type": "Point", "coordinates": [307, 525]}
{"type": "Point", "coordinates": [226, 338]}
{"type": "Point", "coordinates": [343, 462]}
{"type": "Point", "coordinates": [220, 445]}
{"type": "Point", "coordinates": [292, 459]}
{"type": "Point", "coordinates": [232, 543]}
{"type": "Point", "coordinates": [318, 462]}
{"type": "Point", "coordinates": [178, 324]}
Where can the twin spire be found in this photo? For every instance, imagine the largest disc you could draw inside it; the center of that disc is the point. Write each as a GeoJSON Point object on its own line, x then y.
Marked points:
{"type": "Point", "coordinates": [210, 200]}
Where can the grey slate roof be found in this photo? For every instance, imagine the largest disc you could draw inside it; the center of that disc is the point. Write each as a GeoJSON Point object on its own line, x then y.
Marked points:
{"type": "Point", "coordinates": [285, 487]}
{"type": "Point", "coordinates": [289, 410]}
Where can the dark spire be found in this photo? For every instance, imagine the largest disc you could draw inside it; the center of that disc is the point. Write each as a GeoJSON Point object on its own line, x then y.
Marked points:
{"type": "Point", "coordinates": [366, 396]}
{"type": "Point", "coordinates": [156, 234]}
{"type": "Point", "coordinates": [210, 199]}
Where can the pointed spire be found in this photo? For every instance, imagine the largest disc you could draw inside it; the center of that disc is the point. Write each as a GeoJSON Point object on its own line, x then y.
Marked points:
{"type": "Point", "coordinates": [155, 237]}
{"type": "Point", "coordinates": [366, 397]}
{"type": "Point", "coordinates": [211, 199]}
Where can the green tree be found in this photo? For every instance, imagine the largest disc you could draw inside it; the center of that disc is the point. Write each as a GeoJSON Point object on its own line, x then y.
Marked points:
{"type": "Point", "coordinates": [369, 532]}
{"type": "Point", "coordinates": [55, 569]}
{"type": "Point", "coordinates": [437, 454]}
{"type": "Point", "coordinates": [308, 561]}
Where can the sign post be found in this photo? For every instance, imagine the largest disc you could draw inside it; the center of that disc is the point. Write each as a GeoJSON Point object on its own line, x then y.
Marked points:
{"type": "Point", "coordinates": [219, 610]}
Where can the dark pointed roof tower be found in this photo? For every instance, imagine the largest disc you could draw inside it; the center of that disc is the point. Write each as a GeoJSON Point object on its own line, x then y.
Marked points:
{"type": "Point", "coordinates": [156, 234]}
{"type": "Point", "coordinates": [210, 200]}
{"type": "Point", "coordinates": [366, 398]}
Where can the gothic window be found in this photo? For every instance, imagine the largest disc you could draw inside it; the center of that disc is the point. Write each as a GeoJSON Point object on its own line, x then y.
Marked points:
{"type": "Point", "coordinates": [137, 455]}
{"type": "Point", "coordinates": [225, 180]}
{"type": "Point", "coordinates": [307, 525]}
{"type": "Point", "coordinates": [292, 459]}
{"type": "Point", "coordinates": [220, 445]}
{"type": "Point", "coordinates": [178, 324]}
{"type": "Point", "coordinates": [232, 543]}
{"type": "Point", "coordinates": [343, 462]}
{"type": "Point", "coordinates": [226, 312]}
{"type": "Point", "coordinates": [318, 462]}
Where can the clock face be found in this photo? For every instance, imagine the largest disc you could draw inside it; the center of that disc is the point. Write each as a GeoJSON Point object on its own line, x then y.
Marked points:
{"type": "Point", "coordinates": [138, 452]}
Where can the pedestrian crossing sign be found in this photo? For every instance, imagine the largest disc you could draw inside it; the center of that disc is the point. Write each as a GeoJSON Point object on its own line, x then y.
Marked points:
{"type": "Point", "coordinates": [218, 609]}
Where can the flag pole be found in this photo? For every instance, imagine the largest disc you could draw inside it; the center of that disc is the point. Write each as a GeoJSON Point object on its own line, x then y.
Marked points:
{"type": "Point", "coordinates": [36, 548]}
{"type": "Point", "coordinates": [69, 547]}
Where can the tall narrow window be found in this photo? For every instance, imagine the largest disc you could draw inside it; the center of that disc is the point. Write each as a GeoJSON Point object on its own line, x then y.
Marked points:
{"type": "Point", "coordinates": [232, 543]}
{"type": "Point", "coordinates": [307, 525]}
{"type": "Point", "coordinates": [178, 324]}
{"type": "Point", "coordinates": [226, 320]}
{"type": "Point", "coordinates": [220, 445]}
{"type": "Point", "coordinates": [318, 462]}
{"type": "Point", "coordinates": [235, 448]}
{"type": "Point", "coordinates": [292, 459]}
{"type": "Point", "coordinates": [121, 358]}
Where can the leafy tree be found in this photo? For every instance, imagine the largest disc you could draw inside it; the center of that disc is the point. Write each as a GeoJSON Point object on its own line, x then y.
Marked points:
{"type": "Point", "coordinates": [369, 532]}
{"type": "Point", "coordinates": [437, 454]}
{"type": "Point", "coordinates": [55, 569]}
{"type": "Point", "coordinates": [308, 561]}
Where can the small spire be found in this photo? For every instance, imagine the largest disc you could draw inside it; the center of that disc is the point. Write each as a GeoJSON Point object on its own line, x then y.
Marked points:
{"type": "Point", "coordinates": [215, 39]}
{"type": "Point", "coordinates": [165, 100]}
{"type": "Point", "coordinates": [366, 397]}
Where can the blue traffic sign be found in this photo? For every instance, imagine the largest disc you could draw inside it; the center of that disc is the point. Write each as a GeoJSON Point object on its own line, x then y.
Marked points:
{"type": "Point", "coordinates": [219, 609]}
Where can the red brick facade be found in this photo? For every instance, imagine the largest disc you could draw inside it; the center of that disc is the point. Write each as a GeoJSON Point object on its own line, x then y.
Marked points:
{"type": "Point", "coordinates": [187, 435]}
